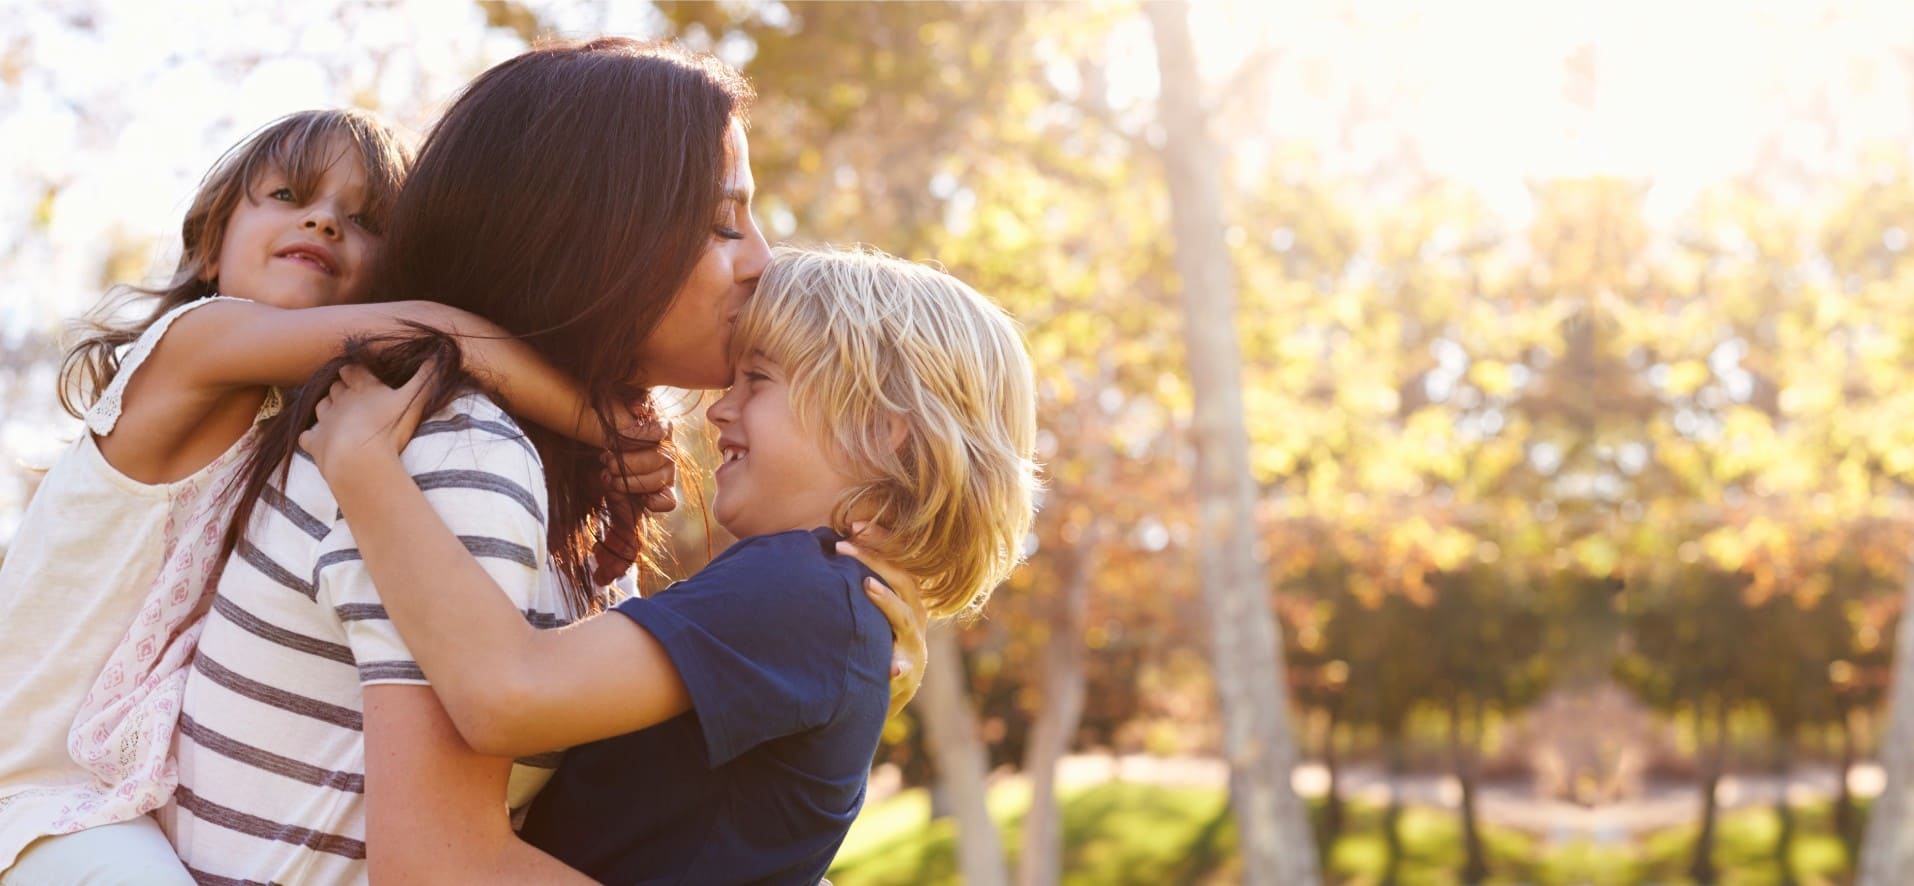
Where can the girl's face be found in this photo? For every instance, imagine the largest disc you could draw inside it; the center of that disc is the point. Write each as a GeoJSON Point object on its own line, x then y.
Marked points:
{"type": "Point", "coordinates": [293, 250]}
{"type": "Point", "coordinates": [691, 345]}
{"type": "Point", "coordinates": [775, 476]}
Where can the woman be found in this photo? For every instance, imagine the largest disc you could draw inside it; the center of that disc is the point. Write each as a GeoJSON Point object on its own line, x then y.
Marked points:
{"type": "Point", "coordinates": [593, 199]}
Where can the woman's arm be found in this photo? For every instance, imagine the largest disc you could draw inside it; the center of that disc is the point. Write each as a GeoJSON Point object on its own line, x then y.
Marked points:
{"type": "Point", "coordinates": [433, 809]}
{"type": "Point", "coordinates": [235, 344]}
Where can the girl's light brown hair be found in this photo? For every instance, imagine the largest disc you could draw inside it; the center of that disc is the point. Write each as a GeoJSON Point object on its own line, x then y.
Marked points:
{"type": "Point", "coordinates": [299, 146]}
{"type": "Point", "coordinates": [874, 346]}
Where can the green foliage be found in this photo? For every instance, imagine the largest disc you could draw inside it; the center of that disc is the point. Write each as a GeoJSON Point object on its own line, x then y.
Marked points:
{"type": "Point", "coordinates": [1130, 833]}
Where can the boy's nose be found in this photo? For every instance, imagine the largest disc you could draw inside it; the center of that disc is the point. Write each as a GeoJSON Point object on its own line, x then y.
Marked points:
{"type": "Point", "coordinates": [723, 411]}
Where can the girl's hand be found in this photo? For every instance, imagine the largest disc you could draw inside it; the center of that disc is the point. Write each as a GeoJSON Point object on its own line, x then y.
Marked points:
{"type": "Point", "coordinates": [362, 418]}
{"type": "Point", "coordinates": [636, 479]}
{"type": "Point", "coordinates": [903, 607]}
{"type": "Point", "coordinates": [639, 463]}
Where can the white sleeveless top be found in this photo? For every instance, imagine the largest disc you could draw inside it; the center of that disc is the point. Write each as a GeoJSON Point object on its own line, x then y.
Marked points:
{"type": "Point", "coordinates": [90, 551]}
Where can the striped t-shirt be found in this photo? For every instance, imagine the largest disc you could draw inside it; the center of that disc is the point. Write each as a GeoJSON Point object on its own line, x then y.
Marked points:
{"type": "Point", "coordinates": [271, 747]}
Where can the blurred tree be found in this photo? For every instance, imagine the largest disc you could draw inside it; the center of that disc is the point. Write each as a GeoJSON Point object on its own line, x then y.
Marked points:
{"type": "Point", "coordinates": [1272, 823]}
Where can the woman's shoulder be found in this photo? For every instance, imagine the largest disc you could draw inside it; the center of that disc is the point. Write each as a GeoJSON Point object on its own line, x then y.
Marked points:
{"type": "Point", "coordinates": [473, 433]}
{"type": "Point", "coordinates": [473, 417]}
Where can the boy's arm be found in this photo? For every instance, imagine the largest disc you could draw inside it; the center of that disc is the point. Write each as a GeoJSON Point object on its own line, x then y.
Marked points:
{"type": "Point", "coordinates": [436, 582]}
{"type": "Point", "coordinates": [435, 809]}
{"type": "Point", "coordinates": [763, 664]}
{"type": "Point", "coordinates": [510, 689]}
{"type": "Point", "coordinates": [234, 344]}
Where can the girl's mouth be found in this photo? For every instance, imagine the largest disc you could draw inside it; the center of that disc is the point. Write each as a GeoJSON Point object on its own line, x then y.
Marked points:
{"type": "Point", "coordinates": [313, 256]}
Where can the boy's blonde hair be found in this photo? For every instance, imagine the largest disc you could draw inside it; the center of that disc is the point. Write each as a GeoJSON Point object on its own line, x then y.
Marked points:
{"type": "Point", "coordinates": [923, 390]}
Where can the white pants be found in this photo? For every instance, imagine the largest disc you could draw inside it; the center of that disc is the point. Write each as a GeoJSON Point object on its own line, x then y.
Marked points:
{"type": "Point", "coordinates": [130, 853]}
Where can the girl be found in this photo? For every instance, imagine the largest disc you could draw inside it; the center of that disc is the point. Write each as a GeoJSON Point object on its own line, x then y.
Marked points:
{"type": "Point", "coordinates": [612, 232]}
{"type": "Point", "coordinates": [277, 248]}
{"type": "Point", "coordinates": [732, 718]}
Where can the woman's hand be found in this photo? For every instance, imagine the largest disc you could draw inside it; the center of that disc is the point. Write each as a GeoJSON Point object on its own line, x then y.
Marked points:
{"type": "Point", "coordinates": [361, 418]}
{"type": "Point", "coordinates": [903, 607]}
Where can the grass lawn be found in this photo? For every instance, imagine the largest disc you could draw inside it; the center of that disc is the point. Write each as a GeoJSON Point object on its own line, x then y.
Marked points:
{"type": "Point", "coordinates": [1131, 833]}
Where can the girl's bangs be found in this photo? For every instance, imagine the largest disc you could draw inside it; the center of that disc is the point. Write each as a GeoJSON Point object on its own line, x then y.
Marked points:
{"type": "Point", "coordinates": [305, 148]}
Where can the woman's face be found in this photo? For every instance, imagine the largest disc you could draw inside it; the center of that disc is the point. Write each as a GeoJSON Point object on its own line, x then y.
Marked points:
{"type": "Point", "coordinates": [691, 345]}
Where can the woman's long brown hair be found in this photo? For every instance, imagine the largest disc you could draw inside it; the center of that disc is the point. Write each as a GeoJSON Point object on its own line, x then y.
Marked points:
{"type": "Point", "coordinates": [566, 196]}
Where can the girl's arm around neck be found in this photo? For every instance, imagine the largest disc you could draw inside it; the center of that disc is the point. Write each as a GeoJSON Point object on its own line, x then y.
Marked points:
{"type": "Point", "coordinates": [240, 344]}
{"type": "Point", "coordinates": [510, 689]}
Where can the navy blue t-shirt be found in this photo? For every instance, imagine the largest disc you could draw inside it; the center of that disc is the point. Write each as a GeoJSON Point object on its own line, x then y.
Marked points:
{"type": "Point", "coordinates": [788, 667]}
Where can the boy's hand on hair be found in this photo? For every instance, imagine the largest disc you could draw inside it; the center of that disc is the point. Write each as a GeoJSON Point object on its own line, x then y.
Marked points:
{"type": "Point", "coordinates": [898, 597]}
{"type": "Point", "coordinates": [360, 418]}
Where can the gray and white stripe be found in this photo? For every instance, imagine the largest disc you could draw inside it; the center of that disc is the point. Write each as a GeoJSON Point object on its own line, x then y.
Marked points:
{"type": "Point", "coordinates": [271, 743]}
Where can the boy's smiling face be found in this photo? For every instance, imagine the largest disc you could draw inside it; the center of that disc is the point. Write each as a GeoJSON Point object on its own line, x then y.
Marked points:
{"type": "Point", "coordinates": [774, 476]}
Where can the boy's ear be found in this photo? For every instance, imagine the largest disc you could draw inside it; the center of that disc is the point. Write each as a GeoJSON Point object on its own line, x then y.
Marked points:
{"type": "Point", "coordinates": [899, 431]}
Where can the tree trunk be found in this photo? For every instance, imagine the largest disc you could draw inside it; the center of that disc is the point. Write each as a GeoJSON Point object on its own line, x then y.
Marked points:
{"type": "Point", "coordinates": [1332, 801]}
{"type": "Point", "coordinates": [957, 748]}
{"type": "Point", "coordinates": [1784, 841]}
{"type": "Point", "coordinates": [1887, 853]}
{"type": "Point", "coordinates": [1702, 868]}
{"type": "Point", "coordinates": [1392, 814]}
{"type": "Point", "coordinates": [1475, 867]}
{"type": "Point", "coordinates": [1245, 649]}
{"type": "Point", "coordinates": [1843, 795]}
{"type": "Point", "coordinates": [1040, 861]}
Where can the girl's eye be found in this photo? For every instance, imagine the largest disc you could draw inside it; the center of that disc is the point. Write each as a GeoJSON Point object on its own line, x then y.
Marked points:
{"type": "Point", "coordinates": [366, 222]}
{"type": "Point", "coordinates": [284, 195]}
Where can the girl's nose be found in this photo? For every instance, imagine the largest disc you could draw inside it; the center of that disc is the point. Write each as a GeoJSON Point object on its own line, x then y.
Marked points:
{"type": "Point", "coordinates": [323, 223]}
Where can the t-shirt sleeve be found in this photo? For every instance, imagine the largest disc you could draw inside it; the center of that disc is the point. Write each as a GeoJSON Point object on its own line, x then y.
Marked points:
{"type": "Point", "coordinates": [763, 648]}
{"type": "Point", "coordinates": [485, 482]}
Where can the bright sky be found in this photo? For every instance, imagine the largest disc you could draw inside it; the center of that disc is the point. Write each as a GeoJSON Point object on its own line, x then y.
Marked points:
{"type": "Point", "coordinates": [116, 107]}
{"type": "Point", "coordinates": [1493, 93]}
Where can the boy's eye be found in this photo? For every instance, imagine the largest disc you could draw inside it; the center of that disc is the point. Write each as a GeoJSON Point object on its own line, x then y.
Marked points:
{"type": "Point", "coordinates": [283, 195]}
{"type": "Point", "coordinates": [366, 222]}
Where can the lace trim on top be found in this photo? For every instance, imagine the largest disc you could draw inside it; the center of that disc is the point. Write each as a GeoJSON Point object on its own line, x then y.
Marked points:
{"type": "Point", "coordinates": [105, 412]}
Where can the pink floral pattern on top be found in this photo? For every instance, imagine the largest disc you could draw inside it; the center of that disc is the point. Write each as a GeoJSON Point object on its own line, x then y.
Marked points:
{"type": "Point", "coordinates": [123, 733]}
